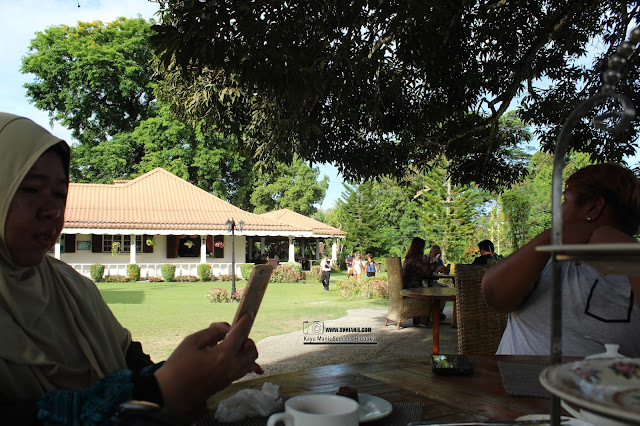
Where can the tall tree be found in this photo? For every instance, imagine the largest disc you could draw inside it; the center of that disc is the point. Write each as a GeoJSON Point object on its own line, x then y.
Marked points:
{"type": "Point", "coordinates": [409, 81]}
{"type": "Point", "coordinates": [97, 79]}
{"type": "Point", "coordinates": [295, 187]}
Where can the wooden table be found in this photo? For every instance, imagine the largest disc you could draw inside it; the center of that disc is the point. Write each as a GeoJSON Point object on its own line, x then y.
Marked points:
{"type": "Point", "coordinates": [436, 294]}
{"type": "Point", "coordinates": [479, 397]}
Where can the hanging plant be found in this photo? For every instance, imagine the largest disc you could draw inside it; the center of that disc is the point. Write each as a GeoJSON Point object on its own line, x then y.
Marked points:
{"type": "Point", "coordinates": [188, 243]}
{"type": "Point", "coordinates": [115, 248]}
{"type": "Point", "coordinates": [149, 242]}
{"type": "Point", "coordinates": [219, 244]}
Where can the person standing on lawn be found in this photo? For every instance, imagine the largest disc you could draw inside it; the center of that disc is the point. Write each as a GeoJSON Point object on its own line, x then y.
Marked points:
{"type": "Point", "coordinates": [349, 262]}
{"type": "Point", "coordinates": [325, 274]}
{"type": "Point", "coordinates": [371, 267]}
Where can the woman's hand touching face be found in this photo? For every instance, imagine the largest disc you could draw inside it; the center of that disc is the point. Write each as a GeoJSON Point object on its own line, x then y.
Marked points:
{"type": "Point", "coordinates": [36, 213]}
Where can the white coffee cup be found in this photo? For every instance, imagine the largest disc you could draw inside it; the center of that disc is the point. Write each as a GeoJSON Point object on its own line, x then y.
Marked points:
{"type": "Point", "coordinates": [318, 410]}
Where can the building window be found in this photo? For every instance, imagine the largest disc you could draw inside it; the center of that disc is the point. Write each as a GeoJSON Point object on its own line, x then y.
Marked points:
{"type": "Point", "coordinates": [218, 246]}
{"type": "Point", "coordinates": [124, 240]}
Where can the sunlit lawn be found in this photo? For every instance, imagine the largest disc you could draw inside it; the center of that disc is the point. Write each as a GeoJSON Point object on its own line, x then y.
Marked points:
{"type": "Point", "coordinates": [160, 315]}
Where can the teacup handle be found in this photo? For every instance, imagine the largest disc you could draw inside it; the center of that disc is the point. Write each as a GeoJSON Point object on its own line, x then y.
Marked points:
{"type": "Point", "coordinates": [575, 413]}
{"type": "Point", "coordinates": [286, 418]}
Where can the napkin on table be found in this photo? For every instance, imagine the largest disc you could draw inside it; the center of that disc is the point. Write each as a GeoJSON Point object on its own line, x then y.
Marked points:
{"type": "Point", "coordinates": [250, 403]}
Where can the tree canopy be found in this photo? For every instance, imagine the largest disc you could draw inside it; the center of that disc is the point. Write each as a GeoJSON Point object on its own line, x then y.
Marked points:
{"type": "Point", "coordinates": [97, 79]}
{"type": "Point", "coordinates": [376, 86]}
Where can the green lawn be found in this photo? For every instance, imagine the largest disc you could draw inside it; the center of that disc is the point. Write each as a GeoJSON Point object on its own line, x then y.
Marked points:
{"type": "Point", "coordinates": [160, 315]}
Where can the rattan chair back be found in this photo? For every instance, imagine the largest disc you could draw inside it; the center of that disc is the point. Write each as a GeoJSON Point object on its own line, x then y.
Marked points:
{"type": "Point", "coordinates": [480, 327]}
{"type": "Point", "coordinates": [401, 308]}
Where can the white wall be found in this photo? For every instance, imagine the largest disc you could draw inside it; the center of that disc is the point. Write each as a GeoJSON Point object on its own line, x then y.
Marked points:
{"type": "Point", "coordinates": [150, 262]}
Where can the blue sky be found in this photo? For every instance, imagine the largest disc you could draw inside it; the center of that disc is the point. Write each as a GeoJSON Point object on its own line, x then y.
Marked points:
{"type": "Point", "coordinates": [21, 19]}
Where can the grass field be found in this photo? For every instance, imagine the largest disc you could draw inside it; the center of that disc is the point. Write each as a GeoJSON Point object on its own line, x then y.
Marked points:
{"type": "Point", "coordinates": [160, 315]}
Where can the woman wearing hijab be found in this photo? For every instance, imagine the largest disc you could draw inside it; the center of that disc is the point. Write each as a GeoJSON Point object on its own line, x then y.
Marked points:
{"type": "Point", "coordinates": [65, 359]}
{"type": "Point", "coordinates": [601, 205]}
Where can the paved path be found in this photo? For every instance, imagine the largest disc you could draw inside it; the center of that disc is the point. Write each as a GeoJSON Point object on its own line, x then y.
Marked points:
{"type": "Point", "coordinates": [287, 352]}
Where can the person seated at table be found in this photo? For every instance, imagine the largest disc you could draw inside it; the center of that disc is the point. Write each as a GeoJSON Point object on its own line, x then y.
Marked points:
{"type": "Point", "coordinates": [64, 357]}
{"type": "Point", "coordinates": [414, 267]}
{"type": "Point", "coordinates": [487, 254]}
{"type": "Point", "coordinates": [601, 205]}
{"type": "Point", "coordinates": [437, 267]}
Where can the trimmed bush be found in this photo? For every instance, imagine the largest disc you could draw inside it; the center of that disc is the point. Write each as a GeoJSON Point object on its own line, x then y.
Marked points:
{"type": "Point", "coordinates": [96, 271]}
{"type": "Point", "coordinates": [168, 272]}
{"type": "Point", "coordinates": [373, 287]}
{"type": "Point", "coordinates": [133, 272]}
{"type": "Point", "coordinates": [204, 272]}
{"type": "Point", "coordinates": [187, 279]}
{"type": "Point", "coordinates": [226, 277]}
{"type": "Point", "coordinates": [294, 265]}
{"type": "Point", "coordinates": [116, 279]}
{"type": "Point", "coordinates": [286, 274]}
{"type": "Point", "coordinates": [218, 295]}
{"type": "Point", "coordinates": [155, 280]}
{"type": "Point", "coordinates": [314, 275]}
{"type": "Point", "coordinates": [245, 270]}
{"type": "Point", "coordinates": [239, 294]}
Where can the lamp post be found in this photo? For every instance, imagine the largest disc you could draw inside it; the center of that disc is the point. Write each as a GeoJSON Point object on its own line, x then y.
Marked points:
{"type": "Point", "coordinates": [231, 226]}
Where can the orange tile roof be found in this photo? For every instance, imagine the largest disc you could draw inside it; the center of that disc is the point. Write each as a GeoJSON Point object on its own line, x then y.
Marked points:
{"type": "Point", "coordinates": [159, 200]}
{"type": "Point", "coordinates": [296, 219]}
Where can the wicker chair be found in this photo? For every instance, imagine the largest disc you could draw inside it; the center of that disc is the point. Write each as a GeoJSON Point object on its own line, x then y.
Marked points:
{"type": "Point", "coordinates": [401, 308]}
{"type": "Point", "coordinates": [480, 327]}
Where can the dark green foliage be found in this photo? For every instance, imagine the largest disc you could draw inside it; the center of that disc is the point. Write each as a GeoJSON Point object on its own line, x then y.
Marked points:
{"type": "Point", "coordinates": [96, 271]}
{"type": "Point", "coordinates": [204, 272]}
{"type": "Point", "coordinates": [168, 272]}
{"type": "Point", "coordinates": [133, 272]}
{"type": "Point", "coordinates": [245, 270]}
{"type": "Point", "coordinates": [375, 87]}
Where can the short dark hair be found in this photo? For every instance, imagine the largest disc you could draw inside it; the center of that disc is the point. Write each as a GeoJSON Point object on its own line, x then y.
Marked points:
{"type": "Point", "coordinates": [486, 245]}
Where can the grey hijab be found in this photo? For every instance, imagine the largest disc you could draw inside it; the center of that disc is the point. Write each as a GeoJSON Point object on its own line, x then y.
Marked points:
{"type": "Point", "coordinates": [56, 330]}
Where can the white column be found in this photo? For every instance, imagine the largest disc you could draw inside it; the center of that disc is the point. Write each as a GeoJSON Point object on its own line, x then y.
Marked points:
{"type": "Point", "coordinates": [132, 250]}
{"type": "Point", "coordinates": [262, 246]}
{"type": "Point", "coordinates": [292, 250]}
{"type": "Point", "coordinates": [56, 248]}
{"type": "Point", "coordinates": [317, 249]}
{"type": "Point", "coordinates": [334, 250]}
{"type": "Point", "coordinates": [302, 249]}
{"type": "Point", "coordinates": [203, 249]}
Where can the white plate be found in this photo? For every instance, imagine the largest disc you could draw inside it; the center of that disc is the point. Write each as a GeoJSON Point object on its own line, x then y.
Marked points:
{"type": "Point", "coordinates": [568, 421]}
{"type": "Point", "coordinates": [609, 387]}
{"type": "Point", "coordinates": [613, 259]}
{"type": "Point", "coordinates": [373, 408]}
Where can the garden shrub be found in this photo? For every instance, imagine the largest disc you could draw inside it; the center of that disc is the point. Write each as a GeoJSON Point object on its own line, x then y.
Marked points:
{"type": "Point", "coordinates": [373, 287]}
{"type": "Point", "coordinates": [204, 272]}
{"type": "Point", "coordinates": [314, 275]}
{"type": "Point", "coordinates": [225, 277]}
{"type": "Point", "coordinates": [239, 294]}
{"type": "Point", "coordinates": [218, 295]}
{"type": "Point", "coordinates": [286, 274]}
{"type": "Point", "coordinates": [245, 270]}
{"type": "Point", "coordinates": [133, 272]}
{"type": "Point", "coordinates": [96, 271]}
{"type": "Point", "coordinates": [168, 272]}
{"type": "Point", "coordinates": [116, 279]}
{"type": "Point", "coordinates": [294, 265]}
{"type": "Point", "coordinates": [155, 280]}
{"type": "Point", "coordinates": [187, 278]}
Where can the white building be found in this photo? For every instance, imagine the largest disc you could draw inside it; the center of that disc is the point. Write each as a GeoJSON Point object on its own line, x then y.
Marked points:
{"type": "Point", "coordinates": [158, 218]}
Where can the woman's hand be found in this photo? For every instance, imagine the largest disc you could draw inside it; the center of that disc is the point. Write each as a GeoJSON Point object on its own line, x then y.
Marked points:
{"type": "Point", "coordinates": [205, 363]}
